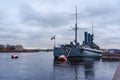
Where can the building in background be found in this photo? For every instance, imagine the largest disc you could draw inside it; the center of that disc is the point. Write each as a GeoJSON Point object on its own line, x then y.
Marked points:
{"type": "Point", "coordinates": [19, 47]}
{"type": "Point", "coordinates": [2, 47]}
{"type": "Point", "coordinates": [11, 47]}
{"type": "Point", "coordinates": [113, 51]}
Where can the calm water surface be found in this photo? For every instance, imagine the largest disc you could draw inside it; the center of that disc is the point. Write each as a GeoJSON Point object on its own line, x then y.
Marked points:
{"type": "Point", "coordinates": [42, 66]}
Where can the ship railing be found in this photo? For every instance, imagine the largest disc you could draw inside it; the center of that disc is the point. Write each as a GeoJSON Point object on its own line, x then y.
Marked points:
{"type": "Point", "coordinates": [93, 50]}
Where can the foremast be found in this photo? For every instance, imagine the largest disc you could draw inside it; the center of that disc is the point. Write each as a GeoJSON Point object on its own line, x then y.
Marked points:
{"type": "Point", "coordinates": [76, 28]}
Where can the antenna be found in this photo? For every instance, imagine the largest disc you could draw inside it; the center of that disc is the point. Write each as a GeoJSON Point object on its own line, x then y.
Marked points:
{"type": "Point", "coordinates": [76, 14]}
{"type": "Point", "coordinates": [92, 26]}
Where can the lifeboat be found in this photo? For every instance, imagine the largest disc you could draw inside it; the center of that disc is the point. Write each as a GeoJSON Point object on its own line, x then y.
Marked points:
{"type": "Point", "coordinates": [62, 58]}
{"type": "Point", "coordinates": [14, 56]}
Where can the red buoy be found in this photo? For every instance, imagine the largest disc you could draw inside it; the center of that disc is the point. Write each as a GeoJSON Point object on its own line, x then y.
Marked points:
{"type": "Point", "coordinates": [62, 58]}
{"type": "Point", "coordinates": [14, 56]}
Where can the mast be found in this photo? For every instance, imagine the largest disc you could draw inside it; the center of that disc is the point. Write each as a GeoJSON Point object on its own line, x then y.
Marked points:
{"type": "Point", "coordinates": [92, 30]}
{"type": "Point", "coordinates": [76, 28]}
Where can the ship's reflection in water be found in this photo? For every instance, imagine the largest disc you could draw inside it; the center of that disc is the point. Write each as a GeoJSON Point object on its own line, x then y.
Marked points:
{"type": "Point", "coordinates": [80, 69]}
{"type": "Point", "coordinates": [77, 69]}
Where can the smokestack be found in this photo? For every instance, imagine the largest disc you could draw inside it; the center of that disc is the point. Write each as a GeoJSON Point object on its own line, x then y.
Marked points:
{"type": "Point", "coordinates": [89, 38]}
{"type": "Point", "coordinates": [92, 38]}
{"type": "Point", "coordinates": [86, 37]}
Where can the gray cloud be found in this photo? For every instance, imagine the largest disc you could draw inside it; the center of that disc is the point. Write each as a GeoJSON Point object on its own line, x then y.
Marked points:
{"type": "Point", "coordinates": [29, 16]}
{"type": "Point", "coordinates": [33, 22]}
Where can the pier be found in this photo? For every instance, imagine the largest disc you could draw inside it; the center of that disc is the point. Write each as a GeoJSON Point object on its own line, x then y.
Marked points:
{"type": "Point", "coordinates": [108, 56]}
{"type": "Point", "coordinates": [117, 73]}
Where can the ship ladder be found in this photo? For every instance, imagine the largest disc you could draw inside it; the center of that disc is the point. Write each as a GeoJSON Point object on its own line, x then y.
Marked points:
{"type": "Point", "coordinates": [69, 52]}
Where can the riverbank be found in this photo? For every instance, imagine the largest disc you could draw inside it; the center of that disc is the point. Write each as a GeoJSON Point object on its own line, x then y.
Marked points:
{"type": "Point", "coordinates": [25, 50]}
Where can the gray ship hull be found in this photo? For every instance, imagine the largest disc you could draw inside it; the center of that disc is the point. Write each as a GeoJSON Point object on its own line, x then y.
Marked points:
{"type": "Point", "coordinates": [77, 52]}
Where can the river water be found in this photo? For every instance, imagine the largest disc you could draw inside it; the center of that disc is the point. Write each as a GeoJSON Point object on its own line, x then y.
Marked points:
{"type": "Point", "coordinates": [42, 66]}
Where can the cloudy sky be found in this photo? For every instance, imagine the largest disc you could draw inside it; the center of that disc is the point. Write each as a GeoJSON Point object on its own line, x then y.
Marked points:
{"type": "Point", "coordinates": [32, 23]}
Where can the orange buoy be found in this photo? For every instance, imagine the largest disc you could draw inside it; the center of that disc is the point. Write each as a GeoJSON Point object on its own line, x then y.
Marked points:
{"type": "Point", "coordinates": [14, 56]}
{"type": "Point", "coordinates": [62, 58]}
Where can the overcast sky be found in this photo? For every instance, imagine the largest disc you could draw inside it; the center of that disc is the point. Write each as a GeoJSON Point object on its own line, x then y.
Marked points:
{"type": "Point", "coordinates": [32, 23]}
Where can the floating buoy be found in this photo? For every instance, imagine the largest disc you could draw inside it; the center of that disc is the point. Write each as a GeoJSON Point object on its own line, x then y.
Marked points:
{"type": "Point", "coordinates": [62, 58]}
{"type": "Point", "coordinates": [14, 56]}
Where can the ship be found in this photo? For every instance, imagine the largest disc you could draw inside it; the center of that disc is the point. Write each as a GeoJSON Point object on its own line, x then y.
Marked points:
{"type": "Point", "coordinates": [72, 50]}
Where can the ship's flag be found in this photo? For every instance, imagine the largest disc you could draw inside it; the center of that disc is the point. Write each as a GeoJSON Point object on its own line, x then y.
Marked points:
{"type": "Point", "coordinates": [53, 37]}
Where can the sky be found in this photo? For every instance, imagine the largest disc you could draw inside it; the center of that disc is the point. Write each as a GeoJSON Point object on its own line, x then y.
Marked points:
{"type": "Point", "coordinates": [32, 23]}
